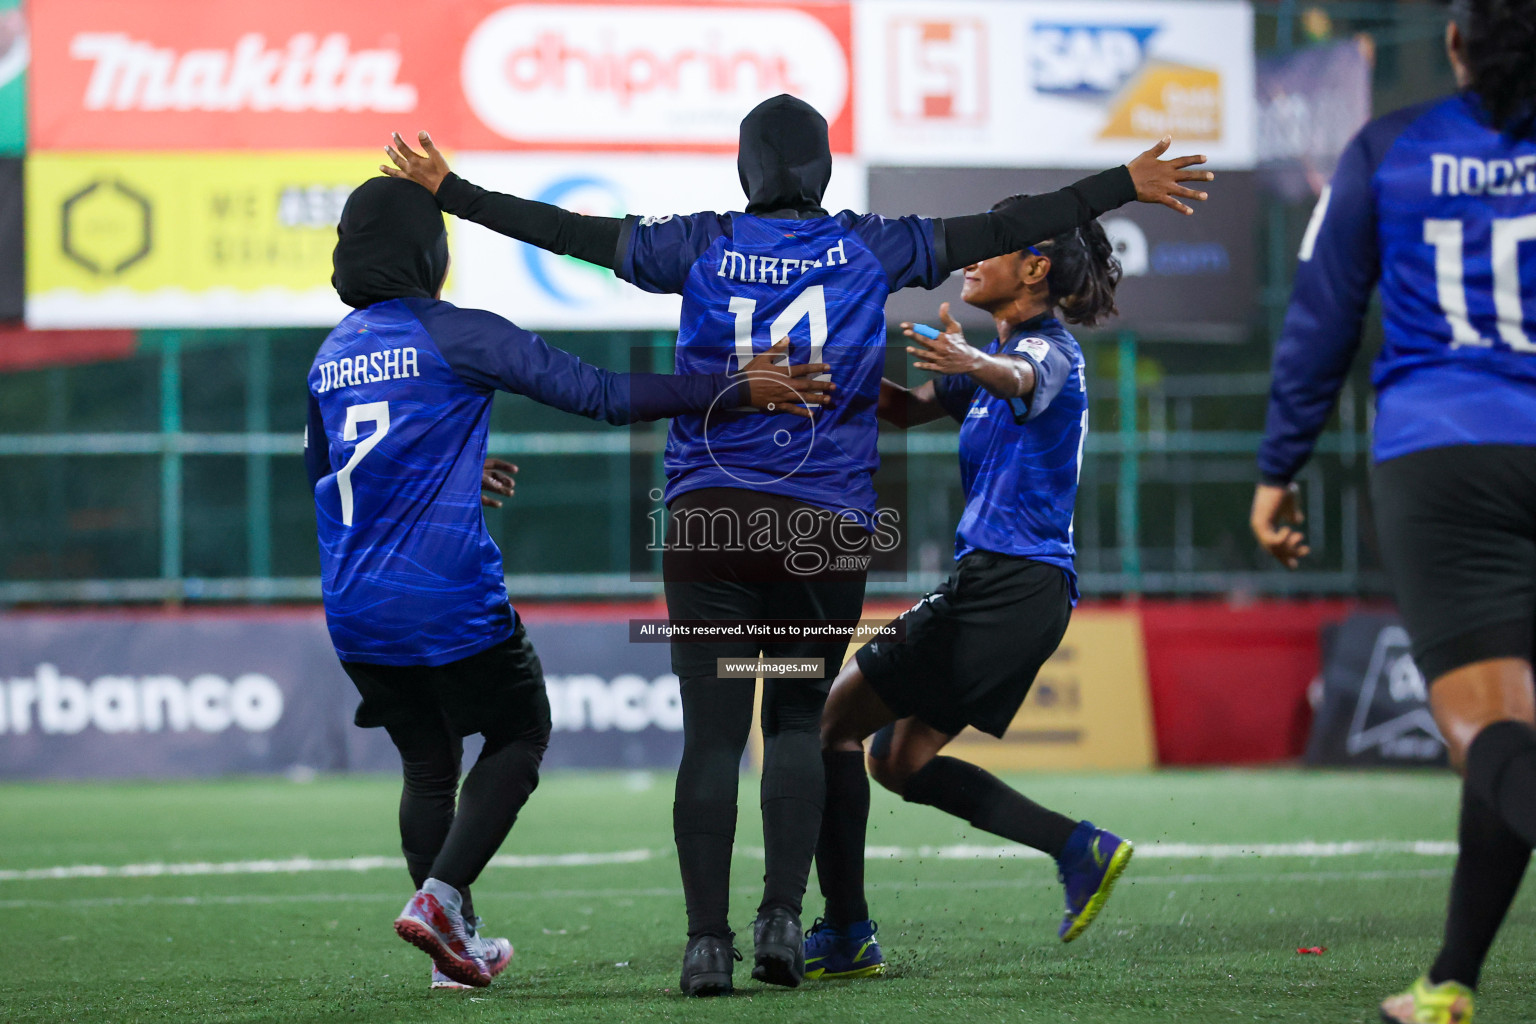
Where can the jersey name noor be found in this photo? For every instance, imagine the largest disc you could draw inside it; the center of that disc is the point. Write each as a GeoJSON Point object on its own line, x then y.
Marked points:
{"type": "Point", "coordinates": [1469, 176]}
{"type": "Point", "coordinates": [368, 368]}
{"type": "Point", "coordinates": [757, 269]}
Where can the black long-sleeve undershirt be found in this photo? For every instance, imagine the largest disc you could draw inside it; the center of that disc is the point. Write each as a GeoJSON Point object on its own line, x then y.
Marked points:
{"type": "Point", "coordinates": [962, 240]}
{"type": "Point", "coordinates": [556, 230]}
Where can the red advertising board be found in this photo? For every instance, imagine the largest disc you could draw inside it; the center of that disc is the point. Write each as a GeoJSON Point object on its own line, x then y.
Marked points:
{"type": "Point", "coordinates": [293, 74]}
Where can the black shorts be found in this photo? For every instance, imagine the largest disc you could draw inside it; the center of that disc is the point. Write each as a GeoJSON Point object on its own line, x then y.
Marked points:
{"type": "Point", "coordinates": [809, 581]}
{"type": "Point", "coordinates": [1458, 536]}
{"type": "Point", "coordinates": [972, 648]}
{"type": "Point", "coordinates": [498, 692]}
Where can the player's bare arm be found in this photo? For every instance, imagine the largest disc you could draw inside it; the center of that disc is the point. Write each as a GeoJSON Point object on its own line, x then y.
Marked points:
{"type": "Point", "coordinates": [951, 354]}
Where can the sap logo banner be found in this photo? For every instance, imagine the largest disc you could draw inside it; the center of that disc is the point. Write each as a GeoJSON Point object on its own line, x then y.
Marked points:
{"type": "Point", "coordinates": [1373, 708]}
{"type": "Point", "coordinates": [1039, 84]}
{"type": "Point", "coordinates": [542, 291]}
{"type": "Point", "coordinates": [1144, 98]}
{"type": "Point", "coordinates": [1088, 60]}
{"type": "Point", "coordinates": [639, 76]}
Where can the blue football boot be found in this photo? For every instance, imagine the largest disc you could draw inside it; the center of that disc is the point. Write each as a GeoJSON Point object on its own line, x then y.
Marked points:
{"type": "Point", "coordinates": [1089, 867]}
{"type": "Point", "coordinates": [847, 953]}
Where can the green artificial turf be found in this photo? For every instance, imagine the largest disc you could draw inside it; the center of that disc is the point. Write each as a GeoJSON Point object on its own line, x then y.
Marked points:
{"type": "Point", "coordinates": [1189, 939]}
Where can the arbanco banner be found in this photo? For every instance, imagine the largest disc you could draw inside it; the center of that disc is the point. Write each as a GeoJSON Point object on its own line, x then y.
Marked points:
{"type": "Point", "coordinates": [209, 693]}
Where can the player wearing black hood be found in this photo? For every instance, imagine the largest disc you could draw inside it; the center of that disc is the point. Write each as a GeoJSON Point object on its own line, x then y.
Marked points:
{"type": "Point", "coordinates": [783, 268]}
{"type": "Point", "coordinates": [399, 413]}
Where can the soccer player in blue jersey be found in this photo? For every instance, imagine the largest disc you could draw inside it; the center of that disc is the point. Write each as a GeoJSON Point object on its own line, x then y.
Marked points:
{"type": "Point", "coordinates": [399, 413]}
{"type": "Point", "coordinates": [968, 653]}
{"type": "Point", "coordinates": [1436, 205]}
{"type": "Point", "coordinates": [785, 266]}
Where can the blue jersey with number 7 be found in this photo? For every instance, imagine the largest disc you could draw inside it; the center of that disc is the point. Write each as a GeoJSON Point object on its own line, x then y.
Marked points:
{"type": "Point", "coordinates": [399, 418]}
{"type": "Point", "coordinates": [749, 281]}
{"type": "Point", "coordinates": [1439, 208]}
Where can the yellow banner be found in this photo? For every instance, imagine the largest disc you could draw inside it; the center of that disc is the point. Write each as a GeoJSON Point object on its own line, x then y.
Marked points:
{"type": "Point", "coordinates": [129, 239]}
{"type": "Point", "coordinates": [1090, 706]}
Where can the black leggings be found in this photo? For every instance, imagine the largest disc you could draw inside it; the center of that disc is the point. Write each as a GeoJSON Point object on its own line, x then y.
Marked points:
{"type": "Point", "coordinates": [717, 716]}
{"type": "Point", "coordinates": [426, 710]}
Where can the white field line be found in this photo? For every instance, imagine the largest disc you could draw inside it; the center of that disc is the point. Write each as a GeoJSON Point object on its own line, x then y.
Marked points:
{"type": "Point", "coordinates": [264, 899]}
{"type": "Point", "coordinates": [1157, 851]}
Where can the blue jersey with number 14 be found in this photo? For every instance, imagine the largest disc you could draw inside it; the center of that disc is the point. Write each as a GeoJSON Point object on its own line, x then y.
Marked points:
{"type": "Point", "coordinates": [1440, 208]}
{"type": "Point", "coordinates": [746, 283]}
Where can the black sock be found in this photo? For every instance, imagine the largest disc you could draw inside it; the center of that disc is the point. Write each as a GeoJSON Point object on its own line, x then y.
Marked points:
{"type": "Point", "coordinates": [717, 717]}
{"type": "Point", "coordinates": [840, 848]}
{"type": "Point", "coordinates": [1488, 873]}
{"type": "Point", "coordinates": [793, 792]}
{"type": "Point", "coordinates": [1501, 771]}
{"type": "Point", "coordinates": [494, 791]}
{"type": "Point", "coordinates": [705, 832]}
{"type": "Point", "coordinates": [960, 788]}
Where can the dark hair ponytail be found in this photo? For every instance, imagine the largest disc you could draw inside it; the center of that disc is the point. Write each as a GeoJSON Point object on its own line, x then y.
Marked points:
{"type": "Point", "coordinates": [1083, 275]}
{"type": "Point", "coordinates": [1501, 55]}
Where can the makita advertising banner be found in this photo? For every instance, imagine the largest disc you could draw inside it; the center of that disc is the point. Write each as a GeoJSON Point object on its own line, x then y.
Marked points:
{"type": "Point", "coordinates": [153, 696]}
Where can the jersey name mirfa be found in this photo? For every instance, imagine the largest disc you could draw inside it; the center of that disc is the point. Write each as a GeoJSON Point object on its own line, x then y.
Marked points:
{"type": "Point", "coordinates": [367, 368]}
{"type": "Point", "coordinates": [749, 281]}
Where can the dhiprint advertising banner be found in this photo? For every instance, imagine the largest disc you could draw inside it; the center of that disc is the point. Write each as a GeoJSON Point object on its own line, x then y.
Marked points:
{"type": "Point", "coordinates": [292, 74]}
{"type": "Point", "coordinates": [542, 291]}
{"type": "Point", "coordinates": [1047, 84]}
{"type": "Point", "coordinates": [216, 240]}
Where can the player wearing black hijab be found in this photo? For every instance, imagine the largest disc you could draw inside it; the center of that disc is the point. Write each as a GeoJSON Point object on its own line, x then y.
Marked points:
{"type": "Point", "coordinates": [783, 267]}
{"type": "Point", "coordinates": [399, 413]}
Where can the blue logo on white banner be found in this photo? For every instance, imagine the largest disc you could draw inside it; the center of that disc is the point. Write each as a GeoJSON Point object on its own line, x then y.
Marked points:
{"type": "Point", "coordinates": [566, 279]}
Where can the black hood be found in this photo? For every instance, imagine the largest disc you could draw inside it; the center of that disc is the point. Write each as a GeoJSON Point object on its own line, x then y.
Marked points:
{"type": "Point", "coordinates": [390, 244]}
{"type": "Point", "coordinates": [785, 160]}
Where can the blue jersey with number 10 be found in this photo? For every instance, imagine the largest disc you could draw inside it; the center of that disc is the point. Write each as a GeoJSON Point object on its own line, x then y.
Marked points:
{"type": "Point", "coordinates": [748, 282]}
{"type": "Point", "coordinates": [1440, 207]}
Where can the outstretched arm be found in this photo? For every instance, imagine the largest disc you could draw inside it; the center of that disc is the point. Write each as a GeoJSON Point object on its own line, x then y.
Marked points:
{"type": "Point", "coordinates": [490, 352]}
{"type": "Point", "coordinates": [593, 239]}
{"type": "Point", "coordinates": [1035, 219]}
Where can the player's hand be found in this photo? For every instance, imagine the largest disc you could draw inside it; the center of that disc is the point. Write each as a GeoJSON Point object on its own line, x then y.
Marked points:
{"type": "Point", "coordinates": [496, 477]}
{"type": "Point", "coordinates": [776, 386]}
{"type": "Point", "coordinates": [949, 353]}
{"type": "Point", "coordinates": [1157, 181]}
{"type": "Point", "coordinates": [425, 169]}
{"type": "Point", "coordinates": [1276, 513]}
